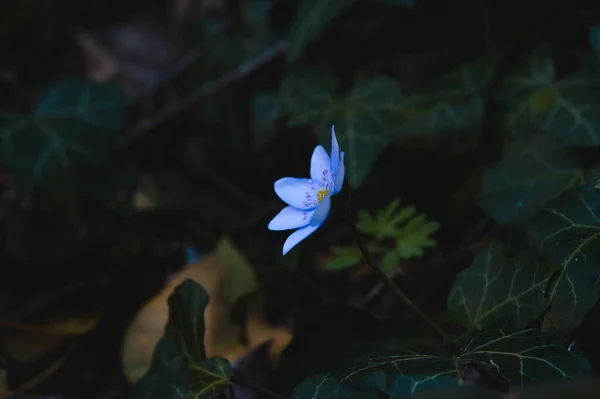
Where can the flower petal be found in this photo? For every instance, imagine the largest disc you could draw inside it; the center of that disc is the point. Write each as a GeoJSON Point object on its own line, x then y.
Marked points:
{"type": "Point", "coordinates": [299, 193]}
{"type": "Point", "coordinates": [335, 151]}
{"type": "Point", "coordinates": [339, 176]}
{"type": "Point", "coordinates": [290, 218]}
{"type": "Point", "coordinates": [297, 236]}
{"type": "Point", "coordinates": [320, 214]}
{"type": "Point", "coordinates": [320, 166]}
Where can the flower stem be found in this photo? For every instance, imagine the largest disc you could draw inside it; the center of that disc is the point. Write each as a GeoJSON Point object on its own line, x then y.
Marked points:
{"type": "Point", "coordinates": [394, 289]}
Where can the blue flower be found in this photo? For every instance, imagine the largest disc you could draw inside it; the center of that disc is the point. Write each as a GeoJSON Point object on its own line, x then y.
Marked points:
{"type": "Point", "coordinates": [309, 200]}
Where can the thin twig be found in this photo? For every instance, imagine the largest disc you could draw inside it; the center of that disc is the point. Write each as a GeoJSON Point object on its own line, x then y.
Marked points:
{"type": "Point", "coordinates": [378, 289]}
{"type": "Point", "coordinates": [188, 59]}
{"type": "Point", "coordinates": [394, 289]}
{"type": "Point", "coordinates": [257, 388]}
{"type": "Point", "coordinates": [387, 282]}
{"type": "Point", "coordinates": [202, 92]}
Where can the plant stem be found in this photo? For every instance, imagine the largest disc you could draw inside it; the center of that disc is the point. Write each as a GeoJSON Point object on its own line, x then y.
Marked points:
{"type": "Point", "coordinates": [394, 289]}
{"type": "Point", "coordinates": [257, 388]}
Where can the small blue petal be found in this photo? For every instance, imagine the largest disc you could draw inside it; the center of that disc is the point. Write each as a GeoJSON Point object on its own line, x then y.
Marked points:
{"type": "Point", "coordinates": [299, 193]}
{"type": "Point", "coordinates": [320, 214]}
{"type": "Point", "coordinates": [339, 176]}
{"type": "Point", "coordinates": [297, 236]}
{"type": "Point", "coordinates": [320, 165]}
{"type": "Point", "coordinates": [335, 151]}
{"type": "Point", "coordinates": [290, 218]}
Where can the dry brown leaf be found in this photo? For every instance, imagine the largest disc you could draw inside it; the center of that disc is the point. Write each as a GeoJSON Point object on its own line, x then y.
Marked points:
{"type": "Point", "coordinates": [213, 273]}
{"type": "Point", "coordinates": [26, 347]}
{"type": "Point", "coordinates": [72, 326]}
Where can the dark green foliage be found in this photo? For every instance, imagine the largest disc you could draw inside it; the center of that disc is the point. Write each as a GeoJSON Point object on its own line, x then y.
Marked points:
{"type": "Point", "coordinates": [501, 289]}
{"type": "Point", "coordinates": [179, 365]}
{"type": "Point", "coordinates": [521, 357]}
{"type": "Point", "coordinates": [69, 135]}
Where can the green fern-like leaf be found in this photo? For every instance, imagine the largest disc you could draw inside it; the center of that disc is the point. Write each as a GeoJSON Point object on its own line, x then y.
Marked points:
{"type": "Point", "coordinates": [385, 223]}
{"type": "Point", "coordinates": [414, 236]}
{"type": "Point", "coordinates": [410, 229]}
{"type": "Point", "coordinates": [347, 256]}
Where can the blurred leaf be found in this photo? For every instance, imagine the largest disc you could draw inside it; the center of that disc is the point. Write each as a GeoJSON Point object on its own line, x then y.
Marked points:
{"type": "Point", "coordinates": [73, 326]}
{"type": "Point", "coordinates": [233, 51]}
{"type": "Point", "coordinates": [390, 262]}
{"type": "Point", "coordinates": [452, 102]}
{"type": "Point", "coordinates": [567, 230]}
{"type": "Point", "coordinates": [344, 257]}
{"type": "Point", "coordinates": [533, 170]}
{"type": "Point", "coordinates": [400, 3]}
{"type": "Point", "coordinates": [500, 289]}
{"type": "Point", "coordinates": [312, 18]}
{"type": "Point", "coordinates": [239, 276]}
{"type": "Point", "coordinates": [246, 39]}
{"type": "Point", "coordinates": [25, 347]}
{"type": "Point", "coordinates": [564, 108]}
{"type": "Point", "coordinates": [70, 134]}
{"type": "Point", "coordinates": [362, 118]}
{"type": "Point", "coordinates": [179, 366]}
{"type": "Point", "coordinates": [521, 357]}
{"type": "Point", "coordinates": [266, 109]}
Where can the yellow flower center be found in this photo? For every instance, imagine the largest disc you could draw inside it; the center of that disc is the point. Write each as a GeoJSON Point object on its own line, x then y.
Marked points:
{"type": "Point", "coordinates": [322, 194]}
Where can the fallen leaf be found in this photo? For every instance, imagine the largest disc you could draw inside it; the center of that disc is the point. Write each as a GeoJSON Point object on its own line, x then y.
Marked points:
{"type": "Point", "coordinates": [226, 275]}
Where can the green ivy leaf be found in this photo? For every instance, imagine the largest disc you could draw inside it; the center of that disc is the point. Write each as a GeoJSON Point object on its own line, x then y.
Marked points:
{"type": "Point", "coordinates": [362, 118]}
{"type": "Point", "coordinates": [179, 365]}
{"type": "Point", "coordinates": [453, 102]}
{"type": "Point", "coordinates": [567, 230]}
{"type": "Point", "coordinates": [565, 108]}
{"type": "Point", "coordinates": [521, 357]}
{"type": "Point", "coordinates": [533, 170]}
{"type": "Point", "coordinates": [405, 371]}
{"type": "Point", "coordinates": [71, 133]}
{"type": "Point", "coordinates": [312, 18]}
{"type": "Point", "coordinates": [525, 357]}
{"type": "Point", "coordinates": [209, 379]}
{"type": "Point", "coordinates": [500, 289]}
